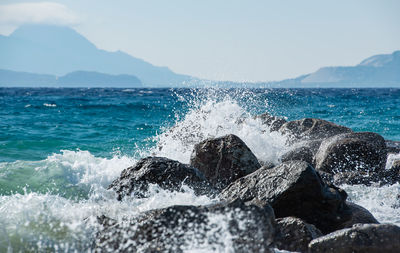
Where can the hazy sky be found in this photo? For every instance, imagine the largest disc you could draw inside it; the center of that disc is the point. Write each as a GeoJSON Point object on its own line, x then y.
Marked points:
{"type": "Point", "coordinates": [244, 40]}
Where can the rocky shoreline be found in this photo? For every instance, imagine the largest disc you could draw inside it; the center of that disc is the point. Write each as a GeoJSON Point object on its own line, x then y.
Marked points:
{"type": "Point", "coordinates": [295, 205]}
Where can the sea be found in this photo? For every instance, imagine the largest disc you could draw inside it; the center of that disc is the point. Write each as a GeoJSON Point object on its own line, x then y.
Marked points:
{"type": "Point", "coordinates": [60, 148]}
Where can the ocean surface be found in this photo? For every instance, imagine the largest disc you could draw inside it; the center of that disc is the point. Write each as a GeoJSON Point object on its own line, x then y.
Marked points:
{"type": "Point", "coordinates": [61, 148]}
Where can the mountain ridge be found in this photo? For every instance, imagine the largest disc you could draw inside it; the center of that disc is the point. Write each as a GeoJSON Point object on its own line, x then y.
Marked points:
{"type": "Point", "coordinates": [58, 50]}
{"type": "Point", "coordinates": [383, 68]}
{"type": "Point", "coordinates": [9, 78]}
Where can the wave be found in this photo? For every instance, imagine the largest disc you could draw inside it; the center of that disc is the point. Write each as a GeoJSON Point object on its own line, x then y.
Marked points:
{"type": "Point", "coordinates": [383, 202]}
{"type": "Point", "coordinates": [52, 204]}
{"type": "Point", "coordinates": [67, 174]}
{"type": "Point", "coordinates": [213, 118]}
{"type": "Point", "coordinates": [46, 222]}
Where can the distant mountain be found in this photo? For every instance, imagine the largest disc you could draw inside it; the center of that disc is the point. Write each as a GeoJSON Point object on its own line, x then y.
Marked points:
{"type": "Point", "coordinates": [57, 50]}
{"type": "Point", "coordinates": [10, 78]}
{"type": "Point", "coordinates": [376, 71]}
{"type": "Point", "coordinates": [95, 79]}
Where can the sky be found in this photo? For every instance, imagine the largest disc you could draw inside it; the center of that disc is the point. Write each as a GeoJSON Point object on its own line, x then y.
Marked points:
{"type": "Point", "coordinates": [236, 40]}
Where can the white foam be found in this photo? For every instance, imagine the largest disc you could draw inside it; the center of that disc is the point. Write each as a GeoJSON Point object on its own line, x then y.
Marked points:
{"type": "Point", "coordinates": [391, 159]}
{"type": "Point", "coordinates": [383, 202]}
{"type": "Point", "coordinates": [88, 169]}
{"type": "Point", "coordinates": [54, 221]}
{"type": "Point", "coordinates": [214, 119]}
{"type": "Point", "coordinates": [34, 221]}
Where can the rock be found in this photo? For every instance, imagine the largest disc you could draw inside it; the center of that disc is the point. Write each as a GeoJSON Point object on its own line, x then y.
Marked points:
{"type": "Point", "coordinates": [382, 177]}
{"type": "Point", "coordinates": [293, 189]}
{"type": "Point", "coordinates": [166, 173]}
{"type": "Point", "coordinates": [233, 227]}
{"type": "Point", "coordinates": [356, 157]}
{"type": "Point", "coordinates": [390, 176]}
{"type": "Point", "coordinates": [295, 234]}
{"type": "Point", "coordinates": [359, 215]}
{"type": "Point", "coordinates": [365, 238]}
{"type": "Point", "coordinates": [223, 159]}
{"type": "Point", "coordinates": [273, 122]}
{"type": "Point", "coordinates": [310, 128]}
{"type": "Point", "coordinates": [393, 147]}
{"type": "Point", "coordinates": [302, 153]}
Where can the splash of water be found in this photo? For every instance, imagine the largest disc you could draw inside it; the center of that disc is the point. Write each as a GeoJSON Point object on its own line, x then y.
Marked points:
{"type": "Point", "coordinates": [383, 202]}
{"type": "Point", "coordinates": [212, 119]}
{"type": "Point", "coordinates": [40, 211]}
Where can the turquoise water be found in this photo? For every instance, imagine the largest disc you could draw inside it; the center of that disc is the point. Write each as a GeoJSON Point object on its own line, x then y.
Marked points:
{"type": "Point", "coordinates": [60, 148]}
{"type": "Point", "coordinates": [37, 122]}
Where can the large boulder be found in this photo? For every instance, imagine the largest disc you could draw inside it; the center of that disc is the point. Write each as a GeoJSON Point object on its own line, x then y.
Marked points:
{"type": "Point", "coordinates": [223, 159]}
{"type": "Point", "coordinates": [310, 128]}
{"type": "Point", "coordinates": [233, 227]}
{"type": "Point", "coordinates": [293, 189]}
{"type": "Point", "coordinates": [166, 173]}
{"type": "Point", "coordinates": [365, 238]}
{"type": "Point", "coordinates": [358, 215]}
{"type": "Point", "coordinates": [273, 122]}
{"type": "Point", "coordinates": [293, 234]}
{"type": "Point", "coordinates": [358, 157]}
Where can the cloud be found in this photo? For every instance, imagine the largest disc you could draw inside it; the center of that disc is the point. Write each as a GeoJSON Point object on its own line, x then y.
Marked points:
{"type": "Point", "coordinates": [14, 15]}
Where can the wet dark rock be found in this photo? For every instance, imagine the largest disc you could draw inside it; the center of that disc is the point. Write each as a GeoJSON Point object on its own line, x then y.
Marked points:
{"type": "Point", "coordinates": [166, 173]}
{"type": "Point", "coordinates": [391, 175]}
{"type": "Point", "coordinates": [178, 228]}
{"type": "Point", "coordinates": [273, 122]}
{"type": "Point", "coordinates": [354, 158]}
{"type": "Point", "coordinates": [293, 189]}
{"type": "Point", "coordinates": [310, 128]}
{"type": "Point", "coordinates": [393, 146]}
{"type": "Point", "coordinates": [295, 234]}
{"type": "Point", "coordinates": [365, 238]}
{"type": "Point", "coordinates": [223, 159]}
{"type": "Point", "coordinates": [302, 153]}
{"type": "Point", "coordinates": [359, 215]}
{"type": "Point", "coordinates": [382, 177]}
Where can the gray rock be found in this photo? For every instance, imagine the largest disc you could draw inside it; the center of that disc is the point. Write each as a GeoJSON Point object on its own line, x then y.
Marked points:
{"type": "Point", "coordinates": [355, 157]}
{"type": "Point", "coordinates": [223, 159]}
{"type": "Point", "coordinates": [310, 128]}
{"type": "Point", "coordinates": [393, 146]}
{"type": "Point", "coordinates": [365, 238]}
{"type": "Point", "coordinates": [273, 122]}
{"type": "Point", "coordinates": [359, 215]}
{"type": "Point", "coordinates": [382, 177]}
{"type": "Point", "coordinates": [233, 226]}
{"type": "Point", "coordinates": [295, 234]}
{"type": "Point", "coordinates": [166, 173]}
{"type": "Point", "coordinates": [293, 189]}
{"type": "Point", "coordinates": [302, 153]}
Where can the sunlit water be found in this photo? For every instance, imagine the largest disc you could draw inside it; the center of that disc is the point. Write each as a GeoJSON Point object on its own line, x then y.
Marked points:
{"type": "Point", "coordinates": [61, 148]}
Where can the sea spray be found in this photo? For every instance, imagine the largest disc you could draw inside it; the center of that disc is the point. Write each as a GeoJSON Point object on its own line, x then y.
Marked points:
{"type": "Point", "coordinates": [214, 118]}
{"type": "Point", "coordinates": [383, 202]}
{"type": "Point", "coordinates": [57, 163]}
